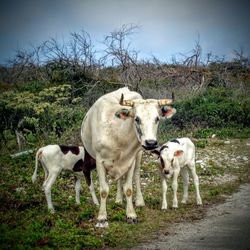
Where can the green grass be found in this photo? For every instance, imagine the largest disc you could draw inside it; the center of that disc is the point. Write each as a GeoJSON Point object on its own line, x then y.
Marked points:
{"type": "Point", "coordinates": [26, 223]}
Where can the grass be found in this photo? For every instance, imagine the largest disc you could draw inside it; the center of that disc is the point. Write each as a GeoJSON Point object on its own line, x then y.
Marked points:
{"type": "Point", "coordinates": [26, 223]}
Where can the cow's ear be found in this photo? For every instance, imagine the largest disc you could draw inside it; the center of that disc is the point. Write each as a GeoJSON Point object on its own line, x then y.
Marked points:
{"type": "Point", "coordinates": [124, 114]}
{"type": "Point", "coordinates": [178, 153]}
{"type": "Point", "coordinates": [167, 111]}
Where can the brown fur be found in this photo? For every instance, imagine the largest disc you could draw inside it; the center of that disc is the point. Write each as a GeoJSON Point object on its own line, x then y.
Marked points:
{"type": "Point", "coordinates": [86, 166]}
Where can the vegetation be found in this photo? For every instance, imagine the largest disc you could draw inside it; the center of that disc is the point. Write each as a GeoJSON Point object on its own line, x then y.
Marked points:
{"type": "Point", "coordinates": [45, 94]}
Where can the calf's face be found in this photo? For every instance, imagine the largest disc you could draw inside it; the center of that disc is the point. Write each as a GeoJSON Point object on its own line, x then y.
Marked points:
{"type": "Point", "coordinates": [168, 159]}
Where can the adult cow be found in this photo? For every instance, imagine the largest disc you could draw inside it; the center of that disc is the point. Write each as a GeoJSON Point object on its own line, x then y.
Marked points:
{"type": "Point", "coordinates": [114, 130]}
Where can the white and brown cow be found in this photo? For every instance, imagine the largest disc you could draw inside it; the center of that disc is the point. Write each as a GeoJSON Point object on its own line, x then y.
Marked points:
{"type": "Point", "coordinates": [55, 158]}
{"type": "Point", "coordinates": [114, 131]}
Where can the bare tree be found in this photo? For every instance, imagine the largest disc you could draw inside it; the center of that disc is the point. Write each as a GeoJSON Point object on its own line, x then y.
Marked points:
{"type": "Point", "coordinates": [241, 57]}
{"type": "Point", "coordinates": [194, 60]}
{"type": "Point", "coordinates": [118, 53]}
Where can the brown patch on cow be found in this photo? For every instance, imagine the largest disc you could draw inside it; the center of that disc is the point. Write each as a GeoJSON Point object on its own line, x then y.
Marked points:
{"type": "Point", "coordinates": [87, 177]}
{"type": "Point", "coordinates": [104, 194]}
{"type": "Point", "coordinates": [85, 165]}
{"type": "Point", "coordinates": [73, 149]}
{"type": "Point", "coordinates": [78, 166]}
{"type": "Point", "coordinates": [128, 192]}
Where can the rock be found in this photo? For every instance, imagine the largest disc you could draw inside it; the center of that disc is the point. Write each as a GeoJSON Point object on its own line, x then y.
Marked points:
{"type": "Point", "coordinates": [245, 158]}
{"type": "Point", "coordinates": [213, 136]}
{"type": "Point", "coordinates": [199, 161]}
{"type": "Point", "coordinates": [227, 142]}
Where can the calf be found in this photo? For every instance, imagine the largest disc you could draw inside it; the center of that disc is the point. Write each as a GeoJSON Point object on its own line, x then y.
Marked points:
{"type": "Point", "coordinates": [55, 158]}
{"type": "Point", "coordinates": [177, 156]}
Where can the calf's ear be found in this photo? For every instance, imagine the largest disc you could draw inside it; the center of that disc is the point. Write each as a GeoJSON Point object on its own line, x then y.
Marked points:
{"type": "Point", "coordinates": [178, 153]}
{"type": "Point", "coordinates": [167, 111]}
{"type": "Point", "coordinates": [124, 114]}
{"type": "Point", "coordinates": [156, 152]}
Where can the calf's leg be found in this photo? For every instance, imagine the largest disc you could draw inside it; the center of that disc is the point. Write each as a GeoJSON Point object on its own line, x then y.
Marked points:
{"type": "Point", "coordinates": [175, 187]}
{"type": "Point", "coordinates": [78, 189]}
{"type": "Point", "coordinates": [47, 189]}
{"type": "Point", "coordinates": [196, 183]}
{"type": "Point", "coordinates": [164, 191]}
{"type": "Point", "coordinates": [185, 177]}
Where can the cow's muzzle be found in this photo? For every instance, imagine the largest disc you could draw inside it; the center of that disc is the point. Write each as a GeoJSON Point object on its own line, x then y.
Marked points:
{"type": "Point", "coordinates": [150, 144]}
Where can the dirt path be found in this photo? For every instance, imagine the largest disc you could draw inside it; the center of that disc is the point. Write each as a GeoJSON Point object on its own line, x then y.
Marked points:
{"type": "Point", "coordinates": [226, 226]}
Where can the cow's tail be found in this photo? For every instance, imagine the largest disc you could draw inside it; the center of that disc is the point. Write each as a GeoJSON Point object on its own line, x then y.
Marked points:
{"type": "Point", "coordinates": [38, 155]}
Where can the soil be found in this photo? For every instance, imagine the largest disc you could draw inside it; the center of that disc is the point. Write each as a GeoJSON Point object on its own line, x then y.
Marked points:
{"type": "Point", "coordinates": [225, 226]}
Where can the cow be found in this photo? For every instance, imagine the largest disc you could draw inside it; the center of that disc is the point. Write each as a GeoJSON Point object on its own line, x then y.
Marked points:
{"type": "Point", "coordinates": [114, 131]}
{"type": "Point", "coordinates": [177, 156]}
{"type": "Point", "coordinates": [55, 158]}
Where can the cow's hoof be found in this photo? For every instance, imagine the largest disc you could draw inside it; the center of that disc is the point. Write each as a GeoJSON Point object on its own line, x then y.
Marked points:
{"type": "Point", "coordinates": [102, 224]}
{"type": "Point", "coordinates": [131, 220]}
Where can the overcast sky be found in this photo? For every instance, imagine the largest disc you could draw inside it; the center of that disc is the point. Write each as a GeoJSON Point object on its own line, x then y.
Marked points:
{"type": "Point", "coordinates": [167, 26]}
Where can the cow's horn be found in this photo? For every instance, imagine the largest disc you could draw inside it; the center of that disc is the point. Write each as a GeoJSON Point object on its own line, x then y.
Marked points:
{"type": "Point", "coordinates": [163, 102]}
{"type": "Point", "coordinates": [123, 102]}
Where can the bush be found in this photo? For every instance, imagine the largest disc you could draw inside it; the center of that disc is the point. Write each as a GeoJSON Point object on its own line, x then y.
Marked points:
{"type": "Point", "coordinates": [51, 111]}
{"type": "Point", "coordinates": [215, 108]}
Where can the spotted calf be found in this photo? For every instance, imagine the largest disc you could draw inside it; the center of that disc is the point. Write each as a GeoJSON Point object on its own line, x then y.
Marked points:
{"type": "Point", "coordinates": [55, 158]}
{"type": "Point", "coordinates": [177, 156]}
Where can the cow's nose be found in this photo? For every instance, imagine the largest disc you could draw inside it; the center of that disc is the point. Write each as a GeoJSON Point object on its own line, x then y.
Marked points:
{"type": "Point", "coordinates": [151, 143]}
{"type": "Point", "coordinates": [166, 171]}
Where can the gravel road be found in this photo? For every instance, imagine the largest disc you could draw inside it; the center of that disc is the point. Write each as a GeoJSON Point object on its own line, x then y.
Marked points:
{"type": "Point", "coordinates": [225, 226]}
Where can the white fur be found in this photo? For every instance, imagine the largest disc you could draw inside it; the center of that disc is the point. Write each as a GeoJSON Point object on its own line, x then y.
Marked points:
{"type": "Point", "coordinates": [175, 164]}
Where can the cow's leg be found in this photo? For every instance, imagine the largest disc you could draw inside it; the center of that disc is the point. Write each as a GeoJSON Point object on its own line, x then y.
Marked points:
{"type": "Point", "coordinates": [104, 191]}
{"type": "Point", "coordinates": [88, 178]}
{"type": "Point", "coordinates": [127, 189]}
{"type": "Point", "coordinates": [139, 201]}
{"type": "Point", "coordinates": [164, 191]}
{"type": "Point", "coordinates": [78, 189]}
{"type": "Point", "coordinates": [185, 176]}
{"type": "Point", "coordinates": [119, 194]}
{"type": "Point", "coordinates": [175, 187]}
{"type": "Point", "coordinates": [47, 189]}
{"type": "Point", "coordinates": [196, 183]}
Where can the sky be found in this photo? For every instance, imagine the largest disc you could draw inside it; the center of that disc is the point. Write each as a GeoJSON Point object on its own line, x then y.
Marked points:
{"type": "Point", "coordinates": [167, 27]}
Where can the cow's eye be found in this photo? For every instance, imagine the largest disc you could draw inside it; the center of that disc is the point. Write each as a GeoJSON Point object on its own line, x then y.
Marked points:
{"type": "Point", "coordinates": [172, 162]}
{"type": "Point", "coordinates": [157, 119]}
{"type": "Point", "coordinates": [137, 120]}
